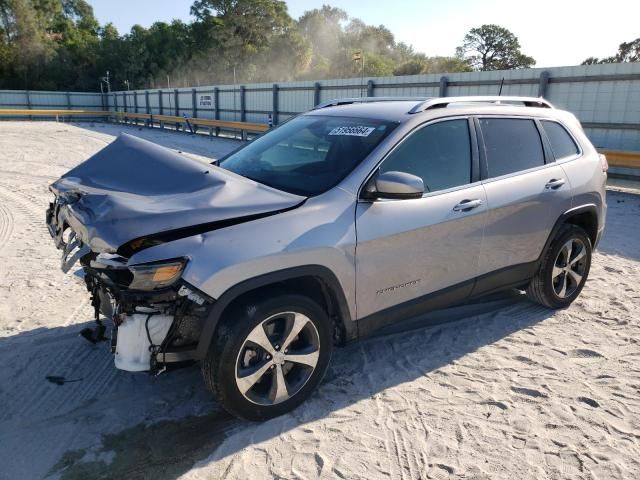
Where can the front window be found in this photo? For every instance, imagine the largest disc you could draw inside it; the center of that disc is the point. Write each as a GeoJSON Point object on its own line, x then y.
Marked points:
{"type": "Point", "coordinates": [439, 153]}
{"type": "Point", "coordinates": [309, 154]}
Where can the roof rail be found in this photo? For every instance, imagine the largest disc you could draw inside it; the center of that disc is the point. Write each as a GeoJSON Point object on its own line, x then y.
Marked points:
{"type": "Point", "coordinates": [443, 102]}
{"type": "Point", "coordinates": [347, 101]}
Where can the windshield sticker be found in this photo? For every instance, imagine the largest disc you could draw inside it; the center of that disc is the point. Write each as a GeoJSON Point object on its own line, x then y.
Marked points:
{"type": "Point", "coordinates": [352, 131]}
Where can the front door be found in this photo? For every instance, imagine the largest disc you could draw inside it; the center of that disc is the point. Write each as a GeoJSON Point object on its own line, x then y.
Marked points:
{"type": "Point", "coordinates": [409, 249]}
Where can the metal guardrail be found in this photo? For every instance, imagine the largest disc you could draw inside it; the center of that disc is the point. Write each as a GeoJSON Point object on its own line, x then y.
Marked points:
{"type": "Point", "coordinates": [52, 113]}
{"type": "Point", "coordinates": [616, 158]}
{"type": "Point", "coordinates": [149, 119]}
{"type": "Point", "coordinates": [621, 158]}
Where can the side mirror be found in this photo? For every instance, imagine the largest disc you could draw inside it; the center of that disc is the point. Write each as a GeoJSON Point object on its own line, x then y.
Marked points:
{"type": "Point", "coordinates": [393, 185]}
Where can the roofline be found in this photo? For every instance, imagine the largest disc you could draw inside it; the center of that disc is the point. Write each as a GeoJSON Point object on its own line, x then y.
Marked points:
{"type": "Point", "coordinates": [428, 103]}
{"type": "Point", "coordinates": [441, 102]}
{"type": "Point", "coordinates": [350, 100]}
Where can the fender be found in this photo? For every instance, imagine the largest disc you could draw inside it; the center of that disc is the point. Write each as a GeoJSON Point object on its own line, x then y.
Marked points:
{"type": "Point", "coordinates": [317, 271]}
{"type": "Point", "coordinates": [588, 208]}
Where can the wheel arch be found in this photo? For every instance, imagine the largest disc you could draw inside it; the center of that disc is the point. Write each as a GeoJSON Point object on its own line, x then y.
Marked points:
{"type": "Point", "coordinates": [584, 216]}
{"type": "Point", "coordinates": [315, 281]}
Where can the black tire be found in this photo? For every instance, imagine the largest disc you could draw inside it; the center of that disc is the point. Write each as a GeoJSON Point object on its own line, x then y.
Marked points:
{"type": "Point", "coordinates": [221, 364]}
{"type": "Point", "coordinates": [543, 288]}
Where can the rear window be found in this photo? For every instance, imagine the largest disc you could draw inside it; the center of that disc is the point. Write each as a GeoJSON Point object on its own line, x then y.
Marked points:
{"type": "Point", "coordinates": [309, 154]}
{"type": "Point", "coordinates": [511, 145]}
{"type": "Point", "coordinates": [561, 142]}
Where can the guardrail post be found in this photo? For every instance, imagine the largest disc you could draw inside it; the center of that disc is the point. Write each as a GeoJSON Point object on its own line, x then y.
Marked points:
{"type": "Point", "coordinates": [194, 105]}
{"type": "Point", "coordinates": [104, 101]}
{"type": "Point", "coordinates": [544, 83]}
{"type": "Point", "coordinates": [444, 84]}
{"type": "Point", "coordinates": [161, 105]}
{"type": "Point", "coordinates": [370, 87]}
{"type": "Point", "coordinates": [68, 100]}
{"type": "Point", "coordinates": [316, 94]}
{"type": "Point", "coordinates": [115, 106]}
{"type": "Point", "coordinates": [29, 106]}
{"type": "Point", "coordinates": [146, 101]}
{"type": "Point", "coordinates": [274, 112]}
{"type": "Point", "coordinates": [177, 99]}
{"type": "Point", "coordinates": [243, 104]}
{"type": "Point", "coordinates": [216, 102]}
{"type": "Point", "coordinates": [135, 106]}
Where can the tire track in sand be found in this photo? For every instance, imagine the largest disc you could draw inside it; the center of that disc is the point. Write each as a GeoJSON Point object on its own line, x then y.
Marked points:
{"type": "Point", "coordinates": [6, 222]}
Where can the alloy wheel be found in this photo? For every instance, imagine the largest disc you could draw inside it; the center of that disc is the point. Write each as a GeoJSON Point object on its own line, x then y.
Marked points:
{"type": "Point", "coordinates": [569, 268]}
{"type": "Point", "coordinates": [277, 358]}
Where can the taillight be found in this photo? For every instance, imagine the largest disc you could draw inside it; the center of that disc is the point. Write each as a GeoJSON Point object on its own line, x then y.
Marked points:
{"type": "Point", "coordinates": [603, 161]}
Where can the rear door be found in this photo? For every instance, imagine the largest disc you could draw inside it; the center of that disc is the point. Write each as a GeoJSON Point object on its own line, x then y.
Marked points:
{"type": "Point", "coordinates": [526, 193]}
{"type": "Point", "coordinates": [407, 249]}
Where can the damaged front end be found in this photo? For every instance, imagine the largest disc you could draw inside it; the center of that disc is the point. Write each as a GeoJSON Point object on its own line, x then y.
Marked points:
{"type": "Point", "coordinates": [157, 317]}
{"type": "Point", "coordinates": [131, 196]}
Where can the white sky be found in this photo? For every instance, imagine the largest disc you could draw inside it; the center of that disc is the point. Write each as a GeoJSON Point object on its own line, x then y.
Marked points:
{"type": "Point", "coordinates": [554, 32]}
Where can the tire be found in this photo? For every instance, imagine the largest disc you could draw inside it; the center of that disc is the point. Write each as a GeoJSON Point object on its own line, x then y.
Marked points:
{"type": "Point", "coordinates": [555, 272]}
{"type": "Point", "coordinates": [244, 369]}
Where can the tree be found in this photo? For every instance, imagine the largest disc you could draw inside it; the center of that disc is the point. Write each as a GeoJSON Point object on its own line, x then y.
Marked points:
{"type": "Point", "coordinates": [423, 64]}
{"type": "Point", "coordinates": [59, 45]}
{"type": "Point", "coordinates": [248, 37]}
{"type": "Point", "coordinates": [491, 47]}
{"type": "Point", "coordinates": [627, 52]}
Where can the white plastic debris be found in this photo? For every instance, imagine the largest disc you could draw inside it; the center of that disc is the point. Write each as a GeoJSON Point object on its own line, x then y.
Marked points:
{"type": "Point", "coordinates": [132, 346]}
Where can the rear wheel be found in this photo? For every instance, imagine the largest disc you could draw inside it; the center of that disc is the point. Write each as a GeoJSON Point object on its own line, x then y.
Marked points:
{"type": "Point", "coordinates": [268, 356]}
{"type": "Point", "coordinates": [563, 270]}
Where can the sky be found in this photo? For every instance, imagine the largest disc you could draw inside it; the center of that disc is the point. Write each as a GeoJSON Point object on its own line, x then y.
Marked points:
{"type": "Point", "coordinates": [554, 32]}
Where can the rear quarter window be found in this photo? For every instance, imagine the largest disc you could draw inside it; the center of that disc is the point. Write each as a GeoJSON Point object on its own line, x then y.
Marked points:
{"type": "Point", "coordinates": [511, 145]}
{"type": "Point", "coordinates": [561, 142]}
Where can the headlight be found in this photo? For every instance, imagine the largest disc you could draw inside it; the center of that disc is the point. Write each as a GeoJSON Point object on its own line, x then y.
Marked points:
{"type": "Point", "coordinates": [152, 276]}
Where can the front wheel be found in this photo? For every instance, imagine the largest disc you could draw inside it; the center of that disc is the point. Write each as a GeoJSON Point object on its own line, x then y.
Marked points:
{"type": "Point", "coordinates": [563, 270]}
{"type": "Point", "coordinates": [268, 356]}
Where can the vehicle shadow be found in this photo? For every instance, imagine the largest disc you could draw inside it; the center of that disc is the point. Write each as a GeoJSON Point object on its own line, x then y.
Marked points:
{"type": "Point", "coordinates": [199, 144]}
{"type": "Point", "coordinates": [111, 424]}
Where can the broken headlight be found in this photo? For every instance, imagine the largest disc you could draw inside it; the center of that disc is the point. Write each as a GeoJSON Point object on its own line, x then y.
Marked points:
{"type": "Point", "coordinates": [156, 275]}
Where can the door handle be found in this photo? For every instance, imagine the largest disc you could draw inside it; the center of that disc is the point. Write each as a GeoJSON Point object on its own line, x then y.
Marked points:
{"type": "Point", "coordinates": [466, 205]}
{"type": "Point", "coordinates": [554, 183]}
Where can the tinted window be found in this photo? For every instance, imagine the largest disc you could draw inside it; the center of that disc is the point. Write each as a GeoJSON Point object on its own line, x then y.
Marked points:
{"type": "Point", "coordinates": [439, 153]}
{"type": "Point", "coordinates": [511, 145]}
{"type": "Point", "coordinates": [310, 154]}
{"type": "Point", "coordinates": [561, 142]}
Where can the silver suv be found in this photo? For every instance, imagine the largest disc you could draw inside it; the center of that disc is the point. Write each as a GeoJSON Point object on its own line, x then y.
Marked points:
{"type": "Point", "coordinates": [342, 220]}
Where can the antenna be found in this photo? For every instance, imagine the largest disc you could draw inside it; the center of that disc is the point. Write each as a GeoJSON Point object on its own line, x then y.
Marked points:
{"type": "Point", "coordinates": [501, 83]}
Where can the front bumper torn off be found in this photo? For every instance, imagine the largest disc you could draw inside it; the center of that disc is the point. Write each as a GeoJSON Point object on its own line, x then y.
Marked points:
{"type": "Point", "coordinates": [181, 307]}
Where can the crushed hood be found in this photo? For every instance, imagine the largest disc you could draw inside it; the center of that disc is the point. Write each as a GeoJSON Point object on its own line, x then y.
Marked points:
{"type": "Point", "coordinates": [133, 188]}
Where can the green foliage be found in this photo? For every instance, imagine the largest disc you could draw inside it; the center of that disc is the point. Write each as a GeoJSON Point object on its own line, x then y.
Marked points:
{"type": "Point", "coordinates": [492, 47]}
{"type": "Point", "coordinates": [627, 52]}
{"type": "Point", "coordinates": [423, 64]}
{"type": "Point", "coordinates": [59, 45]}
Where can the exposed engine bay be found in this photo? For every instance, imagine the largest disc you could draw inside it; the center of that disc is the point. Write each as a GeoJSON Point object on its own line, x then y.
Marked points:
{"type": "Point", "coordinates": [156, 319]}
{"type": "Point", "coordinates": [131, 196]}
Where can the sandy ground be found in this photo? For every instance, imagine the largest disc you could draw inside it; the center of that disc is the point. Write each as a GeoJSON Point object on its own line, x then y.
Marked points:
{"type": "Point", "coordinates": [509, 390]}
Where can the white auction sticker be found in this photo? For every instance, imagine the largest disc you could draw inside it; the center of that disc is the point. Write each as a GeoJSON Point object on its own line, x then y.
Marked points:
{"type": "Point", "coordinates": [352, 131]}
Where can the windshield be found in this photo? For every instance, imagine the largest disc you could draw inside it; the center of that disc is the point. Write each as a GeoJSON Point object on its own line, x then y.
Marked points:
{"type": "Point", "coordinates": [309, 154]}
